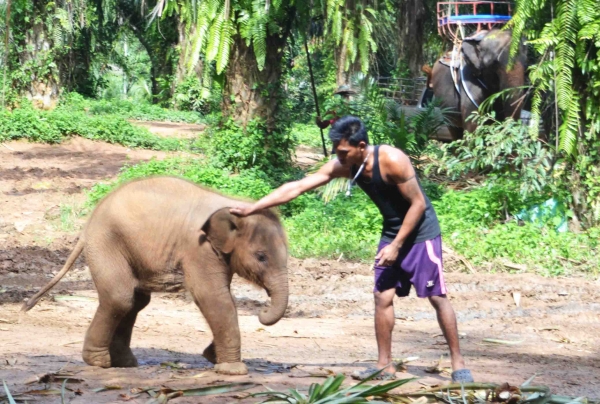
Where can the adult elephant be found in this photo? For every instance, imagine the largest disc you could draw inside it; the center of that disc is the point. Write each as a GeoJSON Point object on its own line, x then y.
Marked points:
{"type": "Point", "coordinates": [480, 70]}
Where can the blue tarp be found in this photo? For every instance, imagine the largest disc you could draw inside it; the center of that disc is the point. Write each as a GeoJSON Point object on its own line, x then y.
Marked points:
{"type": "Point", "coordinates": [549, 211]}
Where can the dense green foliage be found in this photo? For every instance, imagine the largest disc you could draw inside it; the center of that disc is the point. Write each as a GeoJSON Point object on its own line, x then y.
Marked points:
{"type": "Point", "coordinates": [54, 126]}
{"type": "Point", "coordinates": [128, 109]}
{"type": "Point", "coordinates": [237, 148]}
{"type": "Point", "coordinates": [240, 67]}
{"type": "Point", "coordinates": [568, 44]}
{"type": "Point", "coordinates": [473, 222]}
{"type": "Point", "coordinates": [565, 37]}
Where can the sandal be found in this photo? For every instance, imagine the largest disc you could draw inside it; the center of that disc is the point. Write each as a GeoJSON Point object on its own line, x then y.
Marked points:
{"type": "Point", "coordinates": [363, 374]}
{"type": "Point", "coordinates": [462, 376]}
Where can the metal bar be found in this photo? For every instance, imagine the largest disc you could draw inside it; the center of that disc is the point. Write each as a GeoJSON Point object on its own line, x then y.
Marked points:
{"type": "Point", "coordinates": [314, 89]}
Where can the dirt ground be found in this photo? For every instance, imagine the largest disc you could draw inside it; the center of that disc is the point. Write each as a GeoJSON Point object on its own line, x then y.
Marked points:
{"type": "Point", "coordinates": [328, 327]}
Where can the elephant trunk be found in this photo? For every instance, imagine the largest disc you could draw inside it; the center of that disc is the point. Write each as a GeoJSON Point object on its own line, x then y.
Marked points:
{"type": "Point", "coordinates": [278, 289]}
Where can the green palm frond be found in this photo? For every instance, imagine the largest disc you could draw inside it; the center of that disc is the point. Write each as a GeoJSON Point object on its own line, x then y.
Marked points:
{"type": "Point", "coordinates": [568, 44]}
{"type": "Point", "coordinates": [333, 189]}
{"type": "Point", "coordinates": [214, 38]}
{"type": "Point", "coordinates": [569, 130]}
{"type": "Point", "coordinates": [225, 45]}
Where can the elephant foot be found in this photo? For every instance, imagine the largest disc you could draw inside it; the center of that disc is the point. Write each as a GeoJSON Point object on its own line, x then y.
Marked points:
{"type": "Point", "coordinates": [97, 358]}
{"type": "Point", "coordinates": [210, 354]}
{"type": "Point", "coordinates": [233, 368]}
{"type": "Point", "coordinates": [123, 359]}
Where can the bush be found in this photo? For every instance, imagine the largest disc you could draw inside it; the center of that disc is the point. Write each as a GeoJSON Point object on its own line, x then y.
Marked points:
{"type": "Point", "coordinates": [237, 149]}
{"type": "Point", "coordinates": [472, 222]}
{"type": "Point", "coordinates": [127, 109]}
{"type": "Point", "coordinates": [54, 126]}
{"type": "Point", "coordinates": [308, 134]}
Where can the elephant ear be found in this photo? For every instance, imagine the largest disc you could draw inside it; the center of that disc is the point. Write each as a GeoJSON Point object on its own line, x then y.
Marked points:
{"type": "Point", "coordinates": [470, 50]}
{"type": "Point", "coordinates": [221, 230]}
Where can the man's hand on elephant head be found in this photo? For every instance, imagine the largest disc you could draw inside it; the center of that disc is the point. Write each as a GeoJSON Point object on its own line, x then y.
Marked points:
{"type": "Point", "coordinates": [243, 209]}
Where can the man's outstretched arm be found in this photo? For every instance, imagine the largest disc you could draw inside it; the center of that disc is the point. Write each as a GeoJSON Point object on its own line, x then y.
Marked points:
{"type": "Point", "coordinates": [291, 190]}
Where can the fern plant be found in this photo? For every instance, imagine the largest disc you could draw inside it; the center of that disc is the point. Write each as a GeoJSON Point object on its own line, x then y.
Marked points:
{"type": "Point", "coordinates": [565, 35]}
{"type": "Point", "coordinates": [568, 44]}
{"type": "Point", "coordinates": [213, 24]}
{"type": "Point", "coordinates": [351, 26]}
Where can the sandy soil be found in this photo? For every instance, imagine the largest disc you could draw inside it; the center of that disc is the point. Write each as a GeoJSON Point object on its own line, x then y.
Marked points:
{"type": "Point", "coordinates": [328, 327]}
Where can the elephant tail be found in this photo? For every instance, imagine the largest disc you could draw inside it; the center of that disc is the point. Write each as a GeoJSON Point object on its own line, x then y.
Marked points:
{"type": "Point", "coordinates": [428, 70]}
{"type": "Point", "coordinates": [28, 305]}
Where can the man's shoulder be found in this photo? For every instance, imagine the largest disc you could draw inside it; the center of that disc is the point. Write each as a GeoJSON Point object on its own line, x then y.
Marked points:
{"type": "Point", "coordinates": [335, 169]}
{"type": "Point", "coordinates": [392, 154]}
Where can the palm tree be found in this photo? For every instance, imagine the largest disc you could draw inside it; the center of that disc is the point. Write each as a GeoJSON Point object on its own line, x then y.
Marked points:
{"type": "Point", "coordinates": [245, 41]}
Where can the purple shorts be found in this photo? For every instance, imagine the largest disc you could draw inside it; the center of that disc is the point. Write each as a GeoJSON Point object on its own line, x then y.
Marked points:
{"type": "Point", "coordinates": [418, 264]}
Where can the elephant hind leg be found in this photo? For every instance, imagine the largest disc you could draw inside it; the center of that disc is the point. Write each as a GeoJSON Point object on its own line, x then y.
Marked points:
{"type": "Point", "coordinates": [210, 354]}
{"type": "Point", "coordinates": [116, 285]}
{"type": "Point", "coordinates": [120, 351]}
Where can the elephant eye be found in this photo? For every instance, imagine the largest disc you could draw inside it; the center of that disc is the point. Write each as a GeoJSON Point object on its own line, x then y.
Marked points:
{"type": "Point", "coordinates": [261, 256]}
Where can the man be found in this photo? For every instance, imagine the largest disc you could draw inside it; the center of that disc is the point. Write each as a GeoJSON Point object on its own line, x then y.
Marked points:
{"type": "Point", "coordinates": [410, 250]}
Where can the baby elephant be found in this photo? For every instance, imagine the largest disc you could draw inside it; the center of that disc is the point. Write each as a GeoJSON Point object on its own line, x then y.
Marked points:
{"type": "Point", "coordinates": [163, 234]}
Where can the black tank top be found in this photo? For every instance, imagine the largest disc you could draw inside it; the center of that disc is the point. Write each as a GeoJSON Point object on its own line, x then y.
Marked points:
{"type": "Point", "coordinates": [393, 207]}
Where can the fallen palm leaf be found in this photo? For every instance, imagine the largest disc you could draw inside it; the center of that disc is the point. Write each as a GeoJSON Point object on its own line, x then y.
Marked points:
{"type": "Point", "coordinates": [10, 398]}
{"type": "Point", "coordinates": [62, 392]}
{"type": "Point", "coordinates": [501, 341]}
{"type": "Point", "coordinates": [438, 368]}
{"type": "Point", "coordinates": [480, 393]}
{"type": "Point", "coordinates": [163, 395]}
{"type": "Point", "coordinates": [106, 388]}
{"type": "Point", "coordinates": [173, 365]}
{"type": "Point", "coordinates": [56, 376]}
{"type": "Point", "coordinates": [73, 343]}
{"type": "Point", "coordinates": [196, 376]}
{"type": "Point", "coordinates": [528, 381]}
{"type": "Point", "coordinates": [43, 392]}
{"type": "Point", "coordinates": [322, 372]}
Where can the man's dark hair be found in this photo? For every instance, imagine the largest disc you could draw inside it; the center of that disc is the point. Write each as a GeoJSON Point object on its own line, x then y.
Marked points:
{"type": "Point", "coordinates": [349, 128]}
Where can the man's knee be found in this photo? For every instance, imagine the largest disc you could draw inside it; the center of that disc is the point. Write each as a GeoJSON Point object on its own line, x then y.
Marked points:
{"type": "Point", "coordinates": [385, 298]}
{"type": "Point", "coordinates": [438, 301]}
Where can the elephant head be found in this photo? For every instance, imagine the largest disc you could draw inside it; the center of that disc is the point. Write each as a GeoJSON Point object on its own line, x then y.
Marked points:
{"type": "Point", "coordinates": [488, 55]}
{"type": "Point", "coordinates": [255, 248]}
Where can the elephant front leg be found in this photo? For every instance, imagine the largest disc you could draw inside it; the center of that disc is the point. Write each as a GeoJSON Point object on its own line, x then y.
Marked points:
{"type": "Point", "coordinates": [225, 351]}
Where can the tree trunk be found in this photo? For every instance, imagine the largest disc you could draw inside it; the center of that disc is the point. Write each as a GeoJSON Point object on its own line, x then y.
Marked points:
{"type": "Point", "coordinates": [44, 88]}
{"type": "Point", "coordinates": [342, 76]}
{"type": "Point", "coordinates": [248, 92]}
{"type": "Point", "coordinates": [185, 53]}
{"type": "Point", "coordinates": [411, 22]}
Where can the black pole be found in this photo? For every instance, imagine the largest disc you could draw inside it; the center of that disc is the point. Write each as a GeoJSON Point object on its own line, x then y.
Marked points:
{"type": "Point", "coordinates": [314, 89]}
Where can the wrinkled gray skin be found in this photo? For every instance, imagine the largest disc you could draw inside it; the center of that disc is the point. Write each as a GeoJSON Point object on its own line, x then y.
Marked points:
{"type": "Point", "coordinates": [162, 234]}
{"type": "Point", "coordinates": [485, 61]}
